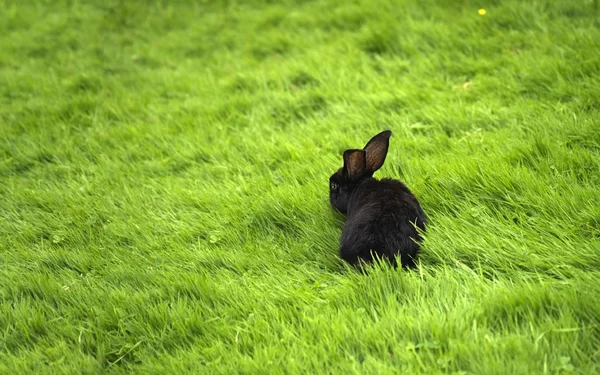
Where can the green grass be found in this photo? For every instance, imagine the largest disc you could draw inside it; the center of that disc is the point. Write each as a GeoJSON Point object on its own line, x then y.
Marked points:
{"type": "Point", "coordinates": [164, 186]}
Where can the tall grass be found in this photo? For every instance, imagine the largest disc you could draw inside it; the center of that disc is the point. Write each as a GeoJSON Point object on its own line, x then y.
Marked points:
{"type": "Point", "coordinates": [164, 180]}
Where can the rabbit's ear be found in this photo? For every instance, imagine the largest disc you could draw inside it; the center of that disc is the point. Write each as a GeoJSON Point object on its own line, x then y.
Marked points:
{"type": "Point", "coordinates": [376, 151]}
{"type": "Point", "coordinates": [354, 164]}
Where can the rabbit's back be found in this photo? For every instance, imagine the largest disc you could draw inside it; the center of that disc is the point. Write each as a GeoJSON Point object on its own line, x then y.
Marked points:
{"type": "Point", "coordinates": [382, 215]}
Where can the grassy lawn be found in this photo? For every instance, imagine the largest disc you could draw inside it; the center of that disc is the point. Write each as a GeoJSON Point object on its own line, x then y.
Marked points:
{"type": "Point", "coordinates": [164, 186]}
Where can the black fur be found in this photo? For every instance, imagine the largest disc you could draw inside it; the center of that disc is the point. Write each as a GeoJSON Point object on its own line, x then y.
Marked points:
{"type": "Point", "coordinates": [381, 215]}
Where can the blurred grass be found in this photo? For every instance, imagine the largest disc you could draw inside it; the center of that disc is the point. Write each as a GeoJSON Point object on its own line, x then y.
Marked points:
{"type": "Point", "coordinates": [164, 168]}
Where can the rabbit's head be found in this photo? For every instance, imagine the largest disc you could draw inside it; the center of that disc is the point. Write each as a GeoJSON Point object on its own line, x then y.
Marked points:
{"type": "Point", "coordinates": [359, 165]}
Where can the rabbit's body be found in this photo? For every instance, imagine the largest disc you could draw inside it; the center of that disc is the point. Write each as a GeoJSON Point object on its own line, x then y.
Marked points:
{"type": "Point", "coordinates": [382, 215]}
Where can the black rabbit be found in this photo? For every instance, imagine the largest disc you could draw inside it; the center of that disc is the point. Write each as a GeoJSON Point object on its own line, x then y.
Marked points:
{"type": "Point", "coordinates": [381, 215]}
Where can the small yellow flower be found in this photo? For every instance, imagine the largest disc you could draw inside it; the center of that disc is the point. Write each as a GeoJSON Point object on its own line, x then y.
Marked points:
{"type": "Point", "coordinates": [482, 12]}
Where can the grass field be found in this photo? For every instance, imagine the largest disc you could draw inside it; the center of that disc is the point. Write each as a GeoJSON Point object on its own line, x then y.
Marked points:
{"type": "Point", "coordinates": [164, 186]}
